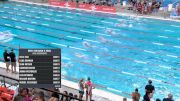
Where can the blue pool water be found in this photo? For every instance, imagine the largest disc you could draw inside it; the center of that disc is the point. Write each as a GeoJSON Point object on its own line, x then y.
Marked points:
{"type": "Point", "coordinates": [123, 53]}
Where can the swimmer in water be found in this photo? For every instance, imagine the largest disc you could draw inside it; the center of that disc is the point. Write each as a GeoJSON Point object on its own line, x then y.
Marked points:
{"type": "Point", "coordinates": [80, 55]}
{"type": "Point", "coordinates": [103, 40]}
{"type": "Point", "coordinates": [66, 64]}
{"type": "Point", "coordinates": [86, 44]}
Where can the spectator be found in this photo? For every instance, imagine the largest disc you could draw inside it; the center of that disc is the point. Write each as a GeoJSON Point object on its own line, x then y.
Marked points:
{"type": "Point", "coordinates": [6, 59]}
{"type": "Point", "coordinates": [150, 88]}
{"type": "Point", "coordinates": [22, 95]}
{"type": "Point", "coordinates": [13, 60]}
{"type": "Point", "coordinates": [64, 98]}
{"type": "Point", "coordinates": [39, 96]}
{"type": "Point", "coordinates": [70, 94]}
{"type": "Point", "coordinates": [146, 97]}
{"type": "Point", "coordinates": [124, 99]}
{"type": "Point", "coordinates": [170, 98]}
{"type": "Point", "coordinates": [89, 87]}
{"type": "Point", "coordinates": [135, 95]}
{"type": "Point", "coordinates": [81, 88]}
{"type": "Point", "coordinates": [158, 99]}
{"type": "Point", "coordinates": [54, 97]}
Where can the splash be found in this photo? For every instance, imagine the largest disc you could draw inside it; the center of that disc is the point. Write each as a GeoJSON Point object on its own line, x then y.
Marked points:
{"type": "Point", "coordinates": [6, 36]}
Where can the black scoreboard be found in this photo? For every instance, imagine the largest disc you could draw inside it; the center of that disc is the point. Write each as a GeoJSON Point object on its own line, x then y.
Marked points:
{"type": "Point", "coordinates": [40, 68]}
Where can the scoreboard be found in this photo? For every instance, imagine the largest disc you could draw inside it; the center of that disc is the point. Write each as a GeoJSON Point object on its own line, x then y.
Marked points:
{"type": "Point", "coordinates": [40, 68]}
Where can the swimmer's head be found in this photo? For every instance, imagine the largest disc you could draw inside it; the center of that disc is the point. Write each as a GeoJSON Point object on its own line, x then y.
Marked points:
{"type": "Point", "coordinates": [89, 79]}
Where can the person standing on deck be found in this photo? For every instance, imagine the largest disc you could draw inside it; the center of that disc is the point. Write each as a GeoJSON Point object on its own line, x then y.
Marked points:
{"type": "Point", "coordinates": [13, 60]}
{"type": "Point", "coordinates": [150, 89]}
{"type": "Point", "coordinates": [6, 59]}
{"type": "Point", "coordinates": [89, 87]}
{"type": "Point", "coordinates": [81, 88]}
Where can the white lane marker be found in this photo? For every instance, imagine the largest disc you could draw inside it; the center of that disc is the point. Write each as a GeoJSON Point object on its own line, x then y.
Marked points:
{"type": "Point", "coordinates": [97, 26]}
{"type": "Point", "coordinates": [137, 61]}
{"type": "Point", "coordinates": [68, 12]}
{"type": "Point", "coordinates": [51, 9]}
{"type": "Point", "coordinates": [49, 14]}
{"type": "Point", "coordinates": [40, 12]}
{"type": "Point", "coordinates": [14, 19]}
{"type": "Point", "coordinates": [37, 17]}
{"type": "Point", "coordinates": [149, 51]}
{"type": "Point", "coordinates": [4, 17]}
{"type": "Point", "coordinates": [69, 17]}
{"type": "Point", "coordinates": [172, 56]}
{"type": "Point", "coordinates": [79, 13]}
{"type": "Point", "coordinates": [58, 20]}
{"type": "Point", "coordinates": [35, 7]}
{"type": "Point", "coordinates": [6, 7]}
{"type": "Point", "coordinates": [155, 80]}
{"type": "Point", "coordinates": [162, 36]}
{"type": "Point", "coordinates": [74, 37]}
{"type": "Point", "coordinates": [59, 44]}
{"type": "Point", "coordinates": [19, 14]}
{"type": "Point", "coordinates": [47, 18]}
{"type": "Point", "coordinates": [168, 31]}
{"type": "Point", "coordinates": [24, 20]}
{"type": "Point", "coordinates": [114, 90]}
{"type": "Point", "coordinates": [34, 22]}
{"type": "Point", "coordinates": [87, 31]}
{"type": "Point", "coordinates": [1, 11]}
{"type": "Point", "coordinates": [128, 73]}
{"type": "Point", "coordinates": [175, 26]}
{"type": "Point", "coordinates": [58, 15]}
{"type": "Point", "coordinates": [77, 48]}
{"type": "Point", "coordinates": [45, 24]}
{"type": "Point", "coordinates": [19, 27]}
{"type": "Point", "coordinates": [8, 25]}
{"type": "Point", "coordinates": [30, 29]}
{"type": "Point", "coordinates": [24, 10]}
{"type": "Point", "coordinates": [107, 22]}
{"type": "Point", "coordinates": [158, 43]}
{"type": "Point", "coordinates": [15, 8]}
{"type": "Point", "coordinates": [176, 46]}
{"type": "Point", "coordinates": [60, 11]}
{"type": "Point", "coordinates": [28, 15]}
{"type": "Point", "coordinates": [18, 5]}
{"type": "Point", "coordinates": [91, 40]}
{"type": "Point", "coordinates": [10, 12]}
{"type": "Point", "coordinates": [165, 67]}
{"type": "Point", "coordinates": [65, 58]}
{"type": "Point", "coordinates": [178, 38]}
{"type": "Point", "coordinates": [103, 34]}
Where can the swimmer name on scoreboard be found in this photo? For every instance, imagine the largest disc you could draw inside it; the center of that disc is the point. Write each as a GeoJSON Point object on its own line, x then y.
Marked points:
{"type": "Point", "coordinates": [39, 68]}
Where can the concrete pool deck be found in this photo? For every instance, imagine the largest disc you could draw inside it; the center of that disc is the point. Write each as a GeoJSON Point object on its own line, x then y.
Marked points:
{"type": "Point", "coordinates": [98, 95]}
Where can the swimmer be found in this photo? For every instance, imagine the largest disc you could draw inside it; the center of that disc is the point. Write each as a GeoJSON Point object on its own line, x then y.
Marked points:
{"type": "Point", "coordinates": [86, 44]}
{"type": "Point", "coordinates": [80, 55]}
{"type": "Point", "coordinates": [121, 24]}
{"type": "Point", "coordinates": [66, 64]}
{"type": "Point", "coordinates": [103, 40]}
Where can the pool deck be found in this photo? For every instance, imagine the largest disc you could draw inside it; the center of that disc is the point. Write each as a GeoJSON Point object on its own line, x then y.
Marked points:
{"type": "Point", "coordinates": [98, 95]}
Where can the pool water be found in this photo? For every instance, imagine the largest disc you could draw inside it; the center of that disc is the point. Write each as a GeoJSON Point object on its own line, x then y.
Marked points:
{"type": "Point", "coordinates": [119, 53]}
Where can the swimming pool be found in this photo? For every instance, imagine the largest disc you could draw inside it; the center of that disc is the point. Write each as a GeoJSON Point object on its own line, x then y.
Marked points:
{"type": "Point", "coordinates": [119, 53]}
